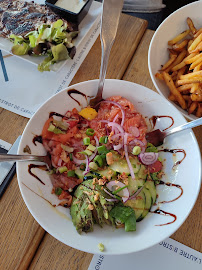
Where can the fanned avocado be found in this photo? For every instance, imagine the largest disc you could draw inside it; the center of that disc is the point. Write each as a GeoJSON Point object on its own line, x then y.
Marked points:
{"type": "Point", "coordinates": [90, 206]}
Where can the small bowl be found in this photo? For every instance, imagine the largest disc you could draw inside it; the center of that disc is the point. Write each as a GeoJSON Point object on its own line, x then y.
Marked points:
{"type": "Point", "coordinates": [158, 53]}
{"type": "Point", "coordinates": [69, 15]}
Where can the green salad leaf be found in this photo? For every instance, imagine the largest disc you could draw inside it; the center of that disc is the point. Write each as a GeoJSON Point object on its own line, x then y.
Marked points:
{"type": "Point", "coordinates": [45, 65]}
{"type": "Point", "coordinates": [125, 215]}
{"type": "Point", "coordinates": [20, 49]}
{"type": "Point", "coordinates": [151, 148]}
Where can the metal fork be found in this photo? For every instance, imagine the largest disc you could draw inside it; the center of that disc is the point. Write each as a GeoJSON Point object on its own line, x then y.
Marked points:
{"type": "Point", "coordinates": [44, 159]}
{"type": "Point", "coordinates": [109, 24]}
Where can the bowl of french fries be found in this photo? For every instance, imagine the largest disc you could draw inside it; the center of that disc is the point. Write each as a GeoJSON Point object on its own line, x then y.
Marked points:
{"type": "Point", "coordinates": [175, 59]}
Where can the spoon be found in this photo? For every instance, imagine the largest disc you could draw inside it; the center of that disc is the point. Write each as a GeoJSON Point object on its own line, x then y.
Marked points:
{"type": "Point", "coordinates": [157, 136]}
{"type": "Point", "coordinates": [45, 159]}
{"type": "Point", "coordinates": [109, 23]}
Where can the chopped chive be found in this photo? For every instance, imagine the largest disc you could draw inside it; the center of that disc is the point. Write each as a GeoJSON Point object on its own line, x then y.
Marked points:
{"type": "Point", "coordinates": [102, 149]}
{"type": "Point", "coordinates": [91, 147]}
{"type": "Point", "coordinates": [62, 169]}
{"type": "Point", "coordinates": [118, 190]}
{"type": "Point", "coordinates": [71, 156]}
{"type": "Point", "coordinates": [136, 150]}
{"type": "Point", "coordinates": [86, 141]}
{"type": "Point", "coordinates": [93, 165]}
{"type": "Point", "coordinates": [90, 132]}
{"type": "Point", "coordinates": [98, 159]}
{"type": "Point", "coordinates": [103, 139]}
{"type": "Point", "coordinates": [86, 152]}
{"type": "Point", "coordinates": [58, 191]}
{"type": "Point", "coordinates": [71, 173]}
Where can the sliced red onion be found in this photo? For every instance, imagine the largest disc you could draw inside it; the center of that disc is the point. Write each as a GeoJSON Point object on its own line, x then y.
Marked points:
{"type": "Point", "coordinates": [118, 147]}
{"type": "Point", "coordinates": [95, 152]}
{"type": "Point", "coordinates": [119, 184]}
{"type": "Point", "coordinates": [115, 125]}
{"type": "Point", "coordinates": [115, 118]}
{"type": "Point", "coordinates": [106, 191]}
{"type": "Point", "coordinates": [136, 193]}
{"type": "Point", "coordinates": [120, 107]}
{"type": "Point", "coordinates": [127, 157]}
{"type": "Point", "coordinates": [104, 121]}
{"type": "Point", "coordinates": [148, 158]}
{"type": "Point", "coordinates": [78, 161]}
{"type": "Point", "coordinates": [87, 166]}
{"type": "Point", "coordinates": [111, 200]}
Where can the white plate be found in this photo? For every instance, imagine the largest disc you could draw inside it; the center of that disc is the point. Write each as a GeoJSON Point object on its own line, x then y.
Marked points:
{"type": "Point", "coordinates": [168, 29]}
{"type": "Point", "coordinates": [84, 27]}
{"type": "Point", "coordinates": [57, 221]}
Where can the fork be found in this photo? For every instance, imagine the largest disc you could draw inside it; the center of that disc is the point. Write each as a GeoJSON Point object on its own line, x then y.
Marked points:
{"type": "Point", "coordinates": [156, 137]}
{"type": "Point", "coordinates": [109, 24]}
{"type": "Point", "coordinates": [44, 159]}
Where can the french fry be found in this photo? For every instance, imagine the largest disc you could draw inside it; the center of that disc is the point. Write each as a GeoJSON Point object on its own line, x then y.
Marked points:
{"type": "Point", "coordinates": [199, 110]}
{"type": "Point", "coordinates": [198, 47]}
{"type": "Point", "coordinates": [178, 37]}
{"type": "Point", "coordinates": [194, 88]}
{"type": "Point", "coordinates": [159, 76]}
{"type": "Point", "coordinates": [172, 97]}
{"type": "Point", "coordinates": [195, 43]}
{"type": "Point", "coordinates": [179, 59]}
{"type": "Point", "coordinates": [191, 26]}
{"type": "Point", "coordinates": [193, 59]}
{"type": "Point", "coordinates": [196, 97]}
{"type": "Point", "coordinates": [182, 73]}
{"type": "Point", "coordinates": [182, 63]}
{"type": "Point", "coordinates": [169, 62]}
{"type": "Point", "coordinates": [198, 33]}
{"type": "Point", "coordinates": [192, 107]}
{"type": "Point", "coordinates": [184, 87]}
{"type": "Point", "coordinates": [180, 46]}
{"type": "Point", "coordinates": [191, 75]}
{"type": "Point", "coordinates": [174, 90]}
{"type": "Point", "coordinates": [192, 80]}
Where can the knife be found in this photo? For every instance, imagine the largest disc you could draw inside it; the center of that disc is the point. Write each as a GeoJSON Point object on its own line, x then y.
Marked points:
{"type": "Point", "coordinates": [8, 169]}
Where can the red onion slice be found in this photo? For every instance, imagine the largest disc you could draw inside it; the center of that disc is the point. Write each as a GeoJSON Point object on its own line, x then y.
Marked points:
{"type": "Point", "coordinates": [127, 157]}
{"type": "Point", "coordinates": [148, 158]}
{"type": "Point", "coordinates": [113, 184]}
{"type": "Point", "coordinates": [106, 191]}
{"type": "Point", "coordinates": [115, 125]}
{"type": "Point", "coordinates": [136, 193]}
{"type": "Point", "coordinates": [78, 161]}
{"type": "Point", "coordinates": [87, 166]}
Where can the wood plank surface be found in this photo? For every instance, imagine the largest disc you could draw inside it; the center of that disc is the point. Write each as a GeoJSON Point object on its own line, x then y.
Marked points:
{"type": "Point", "coordinates": [22, 241]}
{"type": "Point", "coordinates": [190, 233]}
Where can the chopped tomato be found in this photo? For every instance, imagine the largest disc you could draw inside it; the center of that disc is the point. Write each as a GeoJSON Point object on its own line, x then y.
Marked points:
{"type": "Point", "coordinates": [155, 167]}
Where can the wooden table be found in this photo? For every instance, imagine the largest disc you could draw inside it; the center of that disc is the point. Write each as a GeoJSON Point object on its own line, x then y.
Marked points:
{"type": "Point", "coordinates": [23, 243]}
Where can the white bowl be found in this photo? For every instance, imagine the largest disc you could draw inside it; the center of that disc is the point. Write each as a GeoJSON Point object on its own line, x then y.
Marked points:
{"type": "Point", "coordinates": [168, 29]}
{"type": "Point", "coordinates": [57, 221]}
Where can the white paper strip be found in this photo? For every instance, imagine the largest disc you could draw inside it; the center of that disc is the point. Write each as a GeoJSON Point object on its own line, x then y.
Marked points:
{"type": "Point", "coordinates": [27, 89]}
{"type": "Point", "coordinates": [167, 255]}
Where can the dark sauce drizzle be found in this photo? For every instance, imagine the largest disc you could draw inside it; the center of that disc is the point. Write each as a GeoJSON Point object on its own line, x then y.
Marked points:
{"type": "Point", "coordinates": [42, 167]}
{"type": "Point", "coordinates": [37, 139]}
{"type": "Point", "coordinates": [74, 91]}
{"type": "Point", "coordinates": [154, 118]}
{"type": "Point", "coordinates": [164, 213]}
{"type": "Point", "coordinates": [171, 185]}
{"type": "Point", "coordinates": [54, 205]}
{"type": "Point", "coordinates": [174, 151]}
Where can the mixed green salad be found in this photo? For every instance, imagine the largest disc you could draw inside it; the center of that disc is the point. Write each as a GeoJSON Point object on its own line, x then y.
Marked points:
{"type": "Point", "coordinates": [52, 40]}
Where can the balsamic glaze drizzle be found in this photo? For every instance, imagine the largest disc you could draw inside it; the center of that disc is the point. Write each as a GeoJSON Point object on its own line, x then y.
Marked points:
{"type": "Point", "coordinates": [154, 118]}
{"type": "Point", "coordinates": [171, 185]}
{"type": "Point", "coordinates": [174, 151]}
{"type": "Point", "coordinates": [164, 213]}
{"type": "Point", "coordinates": [42, 167]}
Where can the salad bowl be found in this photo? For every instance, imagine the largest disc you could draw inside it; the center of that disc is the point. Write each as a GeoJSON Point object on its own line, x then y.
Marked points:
{"type": "Point", "coordinates": [183, 169]}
